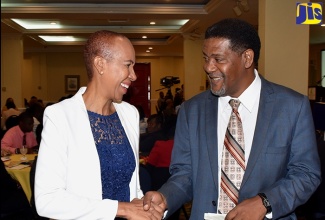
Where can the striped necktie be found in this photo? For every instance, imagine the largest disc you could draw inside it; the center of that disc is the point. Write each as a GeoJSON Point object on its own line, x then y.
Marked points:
{"type": "Point", "coordinates": [232, 161]}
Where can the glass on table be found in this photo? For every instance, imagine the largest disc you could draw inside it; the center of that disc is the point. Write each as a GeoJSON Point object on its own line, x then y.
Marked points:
{"type": "Point", "coordinates": [23, 150]}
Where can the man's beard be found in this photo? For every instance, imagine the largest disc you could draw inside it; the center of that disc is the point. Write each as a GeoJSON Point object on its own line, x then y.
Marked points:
{"type": "Point", "coordinates": [220, 92]}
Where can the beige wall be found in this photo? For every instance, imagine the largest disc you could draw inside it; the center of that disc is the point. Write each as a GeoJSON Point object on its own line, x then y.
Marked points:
{"type": "Point", "coordinates": [195, 81]}
{"type": "Point", "coordinates": [59, 65]}
{"type": "Point", "coordinates": [34, 76]}
{"type": "Point", "coordinates": [285, 47]}
{"type": "Point", "coordinates": [42, 74]}
{"type": "Point", "coordinates": [11, 68]}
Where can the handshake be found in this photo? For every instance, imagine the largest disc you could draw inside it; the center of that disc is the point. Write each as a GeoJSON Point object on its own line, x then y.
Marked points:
{"type": "Point", "coordinates": [151, 206]}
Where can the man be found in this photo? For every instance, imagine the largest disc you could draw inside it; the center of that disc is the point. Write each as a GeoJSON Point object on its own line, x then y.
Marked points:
{"type": "Point", "coordinates": [161, 103]}
{"type": "Point", "coordinates": [19, 135]}
{"type": "Point", "coordinates": [281, 164]}
{"type": "Point", "coordinates": [154, 132]}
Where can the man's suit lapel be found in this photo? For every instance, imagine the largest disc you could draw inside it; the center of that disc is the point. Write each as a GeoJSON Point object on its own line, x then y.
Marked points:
{"type": "Point", "coordinates": [266, 105]}
{"type": "Point", "coordinates": [211, 125]}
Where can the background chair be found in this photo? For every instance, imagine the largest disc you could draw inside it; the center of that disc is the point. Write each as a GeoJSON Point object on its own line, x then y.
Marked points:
{"type": "Point", "coordinates": [12, 121]}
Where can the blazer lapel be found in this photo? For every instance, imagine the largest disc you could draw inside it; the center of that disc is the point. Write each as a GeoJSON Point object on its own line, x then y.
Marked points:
{"type": "Point", "coordinates": [211, 125]}
{"type": "Point", "coordinates": [266, 105]}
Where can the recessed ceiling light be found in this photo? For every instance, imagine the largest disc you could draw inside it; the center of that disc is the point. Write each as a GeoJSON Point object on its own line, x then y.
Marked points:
{"type": "Point", "coordinates": [150, 48]}
{"type": "Point", "coordinates": [148, 51]}
{"type": "Point", "coordinates": [144, 36]}
{"type": "Point", "coordinates": [323, 25]}
{"type": "Point", "coordinates": [36, 24]}
{"type": "Point", "coordinates": [57, 38]}
{"type": "Point", "coordinates": [152, 22]}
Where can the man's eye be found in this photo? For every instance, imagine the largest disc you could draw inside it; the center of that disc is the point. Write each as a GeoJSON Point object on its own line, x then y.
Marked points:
{"type": "Point", "coordinates": [218, 60]}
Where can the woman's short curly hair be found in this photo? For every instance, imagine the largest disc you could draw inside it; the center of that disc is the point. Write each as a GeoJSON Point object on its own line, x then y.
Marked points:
{"type": "Point", "coordinates": [241, 34]}
{"type": "Point", "coordinates": [100, 43]}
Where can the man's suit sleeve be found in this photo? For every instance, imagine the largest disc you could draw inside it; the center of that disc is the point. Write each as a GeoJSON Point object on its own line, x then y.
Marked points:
{"type": "Point", "coordinates": [178, 189]}
{"type": "Point", "coordinates": [303, 167]}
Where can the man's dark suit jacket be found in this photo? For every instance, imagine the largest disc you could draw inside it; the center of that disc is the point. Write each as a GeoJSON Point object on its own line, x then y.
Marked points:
{"type": "Point", "coordinates": [283, 162]}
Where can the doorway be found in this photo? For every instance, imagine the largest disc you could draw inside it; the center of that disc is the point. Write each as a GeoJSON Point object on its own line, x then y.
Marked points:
{"type": "Point", "coordinates": [139, 91]}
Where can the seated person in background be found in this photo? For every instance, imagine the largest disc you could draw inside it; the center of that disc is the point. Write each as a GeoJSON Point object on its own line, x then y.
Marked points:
{"type": "Point", "coordinates": [5, 107]}
{"type": "Point", "coordinates": [32, 100]}
{"type": "Point", "coordinates": [143, 119]}
{"type": "Point", "coordinates": [158, 162]}
{"type": "Point", "coordinates": [18, 135]}
{"type": "Point", "coordinates": [170, 109]}
{"type": "Point", "coordinates": [160, 157]}
{"type": "Point", "coordinates": [161, 103]}
{"type": "Point", "coordinates": [11, 110]}
{"type": "Point", "coordinates": [36, 110]}
{"type": "Point", "coordinates": [154, 133]}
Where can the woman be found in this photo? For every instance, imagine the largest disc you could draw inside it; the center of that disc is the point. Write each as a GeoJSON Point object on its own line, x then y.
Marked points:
{"type": "Point", "coordinates": [11, 110]}
{"type": "Point", "coordinates": [6, 107]}
{"type": "Point", "coordinates": [87, 165]}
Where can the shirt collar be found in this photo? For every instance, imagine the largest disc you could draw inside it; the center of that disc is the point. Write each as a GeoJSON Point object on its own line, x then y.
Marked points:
{"type": "Point", "coordinates": [248, 97]}
{"type": "Point", "coordinates": [252, 93]}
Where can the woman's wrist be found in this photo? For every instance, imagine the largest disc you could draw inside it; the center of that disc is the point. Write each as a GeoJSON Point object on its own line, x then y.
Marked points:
{"type": "Point", "coordinates": [121, 209]}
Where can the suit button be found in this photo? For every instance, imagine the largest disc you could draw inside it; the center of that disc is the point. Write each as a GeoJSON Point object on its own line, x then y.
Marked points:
{"type": "Point", "coordinates": [214, 203]}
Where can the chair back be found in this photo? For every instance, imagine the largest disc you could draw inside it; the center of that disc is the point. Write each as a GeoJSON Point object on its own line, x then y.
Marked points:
{"type": "Point", "coordinates": [12, 121]}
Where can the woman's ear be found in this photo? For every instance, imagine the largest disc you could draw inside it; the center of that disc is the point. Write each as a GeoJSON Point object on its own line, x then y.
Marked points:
{"type": "Point", "coordinates": [99, 65]}
{"type": "Point", "coordinates": [248, 57]}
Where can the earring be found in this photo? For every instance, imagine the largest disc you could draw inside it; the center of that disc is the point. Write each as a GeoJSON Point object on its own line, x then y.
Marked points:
{"type": "Point", "coordinates": [101, 73]}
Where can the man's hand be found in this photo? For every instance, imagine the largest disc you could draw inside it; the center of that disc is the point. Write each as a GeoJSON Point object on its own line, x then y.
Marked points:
{"type": "Point", "coordinates": [249, 209]}
{"type": "Point", "coordinates": [156, 200]}
{"type": "Point", "coordinates": [134, 211]}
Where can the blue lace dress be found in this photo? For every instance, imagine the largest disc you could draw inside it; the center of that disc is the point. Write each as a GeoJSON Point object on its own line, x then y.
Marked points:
{"type": "Point", "coordinates": [116, 157]}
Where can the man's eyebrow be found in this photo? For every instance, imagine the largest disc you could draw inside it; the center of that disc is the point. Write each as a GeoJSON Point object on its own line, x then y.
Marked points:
{"type": "Point", "coordinates": [212, 55]}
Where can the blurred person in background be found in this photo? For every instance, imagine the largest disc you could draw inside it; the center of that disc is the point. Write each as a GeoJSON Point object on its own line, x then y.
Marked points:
{"type": "Point", "coordinates": [19, 135]}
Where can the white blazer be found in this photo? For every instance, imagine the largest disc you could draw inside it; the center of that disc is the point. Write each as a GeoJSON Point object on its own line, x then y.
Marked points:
{"type": "Point", "coordinates": [68, 180]}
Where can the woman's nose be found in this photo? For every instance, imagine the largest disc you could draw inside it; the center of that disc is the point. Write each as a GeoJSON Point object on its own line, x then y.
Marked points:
{"type": "Point", "coordinates": [132, 75]}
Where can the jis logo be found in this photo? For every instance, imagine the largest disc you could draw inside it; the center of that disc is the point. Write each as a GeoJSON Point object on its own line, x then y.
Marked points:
{"type": "Point", "coordinates": [309, 13]}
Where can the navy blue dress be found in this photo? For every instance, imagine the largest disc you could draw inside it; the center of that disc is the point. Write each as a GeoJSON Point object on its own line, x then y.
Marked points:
{"type": "Point", "coordinates": [117, 162]}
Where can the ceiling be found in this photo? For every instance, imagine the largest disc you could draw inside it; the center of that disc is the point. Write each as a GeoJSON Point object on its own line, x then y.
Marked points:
{"type": "Point", "coordinates": [175, 19]}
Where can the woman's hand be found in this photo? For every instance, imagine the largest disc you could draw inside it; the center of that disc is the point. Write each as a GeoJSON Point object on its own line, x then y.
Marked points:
{"type": "Point", "coordinates": [134, 210]}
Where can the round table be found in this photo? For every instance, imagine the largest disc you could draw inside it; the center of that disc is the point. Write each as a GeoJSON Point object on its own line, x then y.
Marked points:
{"type": "Point", "coordinates": [21, 175]}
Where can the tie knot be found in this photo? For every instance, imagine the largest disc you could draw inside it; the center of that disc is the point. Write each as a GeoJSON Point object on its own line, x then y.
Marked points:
{"type": "Point", "coordinates": [234, 103]}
